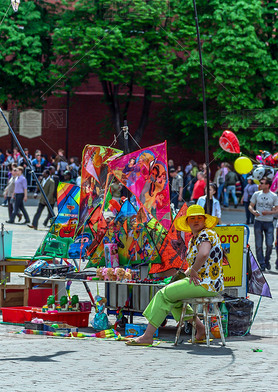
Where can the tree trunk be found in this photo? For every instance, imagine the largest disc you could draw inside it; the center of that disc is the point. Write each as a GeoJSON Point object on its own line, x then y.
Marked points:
{"type": "Point", "coordinates": [111, 96]}
{"type": "Point", "coordinates": [143, 120]}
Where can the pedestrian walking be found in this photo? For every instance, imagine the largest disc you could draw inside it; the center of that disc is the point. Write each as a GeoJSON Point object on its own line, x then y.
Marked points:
{"type": "Point", "coordinates": [266, 204]}
{"type": "Point", "coordinates": [48, 186]}
{"type": "Point", "coordinates": [230, 187]}
{"type": "Point", "coordinates": [176, 187]}
{"type": "Point", "coordinates": [220, 181]}
{"type": "Point", "coordinates": [248, 192]}
{"type": "Point", "coordinates": [199, 187]}
{"type": "Point", "coordinates": [9, 191]}
{"type": "Point", "coordinates": [20, 195]}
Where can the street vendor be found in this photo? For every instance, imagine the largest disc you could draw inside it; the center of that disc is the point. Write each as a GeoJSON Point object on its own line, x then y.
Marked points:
{"type": "Point", "coordinates": [204, 276]}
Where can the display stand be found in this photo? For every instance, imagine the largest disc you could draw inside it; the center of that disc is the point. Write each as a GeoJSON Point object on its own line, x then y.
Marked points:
{"type": "Point", "coordinates": [234, 239]}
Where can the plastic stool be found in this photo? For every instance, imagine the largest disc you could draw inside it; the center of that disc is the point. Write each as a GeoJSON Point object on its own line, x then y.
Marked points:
{"type": "Point", "coordinates": [205, 302]}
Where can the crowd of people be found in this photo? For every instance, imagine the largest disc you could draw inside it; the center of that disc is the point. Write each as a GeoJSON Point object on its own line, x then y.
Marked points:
{"type": "Point", "coordinates": [19, 176]}
{"type": "Point", "coordinates": [261, 205]}
{"type": "Point", "coordinates": [67, 170]}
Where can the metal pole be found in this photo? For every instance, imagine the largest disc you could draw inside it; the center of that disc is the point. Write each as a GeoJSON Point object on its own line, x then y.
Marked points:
{"type": "Point", "coordinates": [125, 130]}
{"type": "Point", "coordinates": [28, 163]}
{"type": "Point", "coordinates": [67, 129]}
{"type": "Point", "coordinates": [204, 107]}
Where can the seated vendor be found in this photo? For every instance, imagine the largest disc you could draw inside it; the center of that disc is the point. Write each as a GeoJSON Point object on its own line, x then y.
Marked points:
{"type": "Point", "coordinates": [204, 275]}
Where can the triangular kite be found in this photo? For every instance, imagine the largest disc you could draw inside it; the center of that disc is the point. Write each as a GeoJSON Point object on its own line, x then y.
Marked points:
{"type": "Point", "coordinates": [145, 174]}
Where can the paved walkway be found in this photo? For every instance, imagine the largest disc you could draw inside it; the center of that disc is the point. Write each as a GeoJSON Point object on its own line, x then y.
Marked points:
{"type": "Point", "coordinates": [52, 364]}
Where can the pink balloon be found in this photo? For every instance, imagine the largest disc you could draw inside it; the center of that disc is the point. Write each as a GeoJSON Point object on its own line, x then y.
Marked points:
{"type": "Point", "coordinates": [259, 159]}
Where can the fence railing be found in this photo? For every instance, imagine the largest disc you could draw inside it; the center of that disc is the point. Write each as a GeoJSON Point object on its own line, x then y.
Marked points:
{"type": "Point", "coordinates": [31, 183]}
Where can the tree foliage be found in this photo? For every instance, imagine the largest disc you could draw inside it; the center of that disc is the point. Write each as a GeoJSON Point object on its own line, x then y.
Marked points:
{"type": "Point", "coordinates": [239, 47]}
{"type": "Point", "coordinates": [126, 44]}
{"type": "Point", "coordinates": [25, 52]}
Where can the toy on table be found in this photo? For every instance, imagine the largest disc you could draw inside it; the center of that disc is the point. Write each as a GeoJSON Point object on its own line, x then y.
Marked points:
{"type": "Point", "coordinates": [51, 302]}
{"type": "Point", "coordinates": [75, 302]}
{"type": "Point", "coordinates": [120, 274]}
{"type": "Point", "coordinates": [111, 274]}
{"type": "Point", "coordinates": [64, 302]}
{"type": "Point", "coordinates": [100, 321]}
{"type": "Point", "coordinates": [128, 274]}
{"type": "Point", "coordinates": [99, 273]}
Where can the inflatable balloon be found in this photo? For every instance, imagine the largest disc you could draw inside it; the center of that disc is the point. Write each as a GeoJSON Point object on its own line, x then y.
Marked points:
{"type": "Point", "coordinates": [243, 165]}
{"type": "Point", "coordinates": [259, 159]}
{"type": "Point", "coordinates": [269, 172]}
{"type": "Point", "coordinates": [274, 185]}
{"type": "Point", "coordinates": [275, 157]}
{"type": "Point", "coordinates": [229, 142]}
{"type": "Point", "coordinates": [256, 181]}
{"type": "Point", "coordinates": [269, 161]}
{"type": "Point", "coordinates": [265, 154]}
{"type": "Point", "coordinates": [258, 172]}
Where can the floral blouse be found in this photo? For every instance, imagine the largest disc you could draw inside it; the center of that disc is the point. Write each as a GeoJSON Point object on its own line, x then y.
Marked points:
{"type": "Point", "coordinates": [212, 271]}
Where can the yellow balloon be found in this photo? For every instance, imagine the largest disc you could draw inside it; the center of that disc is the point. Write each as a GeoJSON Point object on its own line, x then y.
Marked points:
{"type": "Point", "coordinates": [243, 165]}
{"type": "Point", "coordinates": [256, 181]}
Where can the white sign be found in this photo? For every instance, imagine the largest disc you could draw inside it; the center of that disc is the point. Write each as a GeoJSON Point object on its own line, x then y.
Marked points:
{"type": "Point", "coordinates": [4, 129]}
{"type": "Point", "coordinates": [30, 123]}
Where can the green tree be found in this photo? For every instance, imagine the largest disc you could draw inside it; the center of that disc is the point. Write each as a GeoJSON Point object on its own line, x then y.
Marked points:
{"type": "Point", "coordinates": [126, 44]}
{"type": "Point", "coordinates": [26, 52]}
{"type": "Point", "coordinates": [239, 47]}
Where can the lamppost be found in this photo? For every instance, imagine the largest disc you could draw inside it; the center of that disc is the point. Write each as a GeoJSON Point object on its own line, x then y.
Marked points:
{"type": "Point", "coordinates": [204, 107]}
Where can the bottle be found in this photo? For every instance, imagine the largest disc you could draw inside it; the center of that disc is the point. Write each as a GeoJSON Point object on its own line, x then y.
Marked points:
{"type": "Point", "coordinates": [214, 328]}
{"type": "Point", "coordinates": [224, 318]}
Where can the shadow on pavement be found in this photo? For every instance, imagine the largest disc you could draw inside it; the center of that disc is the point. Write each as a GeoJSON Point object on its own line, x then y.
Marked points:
{"type": "Point", "coordinates": [38, 358]}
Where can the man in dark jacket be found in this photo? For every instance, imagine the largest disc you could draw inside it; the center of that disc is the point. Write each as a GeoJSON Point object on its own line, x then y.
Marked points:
{"type": "Point", "coordinates": [230, 187]}
{"type": "Point", "coordinates": [48, 186]}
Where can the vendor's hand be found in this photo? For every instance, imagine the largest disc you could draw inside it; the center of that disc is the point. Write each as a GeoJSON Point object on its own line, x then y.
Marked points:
{"type": "Point", "coordinates": [187, 272]}
{"type": "Point", "coordinates": [256, 213]}
{"type": "Point", "coordinates": [194, 277]}
{"type": "Point", "coordinates": [266, 212]}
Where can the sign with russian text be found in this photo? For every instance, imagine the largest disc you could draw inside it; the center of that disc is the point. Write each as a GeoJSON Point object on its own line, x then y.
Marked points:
{"type": "Point", "coordinates": [232, 240]}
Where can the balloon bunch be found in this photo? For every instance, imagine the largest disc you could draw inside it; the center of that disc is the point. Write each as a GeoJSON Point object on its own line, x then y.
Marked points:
{"type": "Point", "coordinates": [267, 159]}
{"type": "Point", "coordinates": [243, 165]}
{"type": "Point", "coordinates": [229, 143]}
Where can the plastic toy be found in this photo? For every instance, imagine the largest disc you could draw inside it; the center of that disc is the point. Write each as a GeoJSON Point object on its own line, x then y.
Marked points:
{"type": "Point", "coordinates": [111, 274]}
{"type": "Point", "coordinates": [120, 274]}
{"type": "Point", "coordinates": [99, 273]}
{"type": "Point", "coordinates": [100, 321]}
{"type": "Point", "coordinates": [128, 274]}
{"type": "Point", "coordinates": [51, 302]}
{"type": "Point", "coordinates": [64, 302]}
{"type": "Point", "coordinates": [75, 302]}
{"type": "Point", "coordinates": [80, 245]}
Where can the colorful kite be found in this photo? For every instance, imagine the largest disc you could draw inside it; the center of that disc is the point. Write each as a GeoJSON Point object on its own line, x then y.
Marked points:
{"type": "Point", "coordinates": [134, 243]}
{"type": "Point", "coordinates": [257, 283]}
{"type": "Point", "coordinates": [93, 178]}
{"type": "Point", "coordinates": [145, 174]}
{"type": "Point", "coordinates": [174, 247]}
{"type": "Point", "coordinates": [60, 236]}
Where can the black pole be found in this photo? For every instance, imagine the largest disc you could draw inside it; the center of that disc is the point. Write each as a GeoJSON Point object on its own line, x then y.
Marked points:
{"type": "Point", "coordinates": [28, 163]}
{"type": "Point", "coordinates": [125, 131]}
{"type": "Point", "coordinates": [67, 129]}
{"type": "Point", "coordinates": [204, 107]}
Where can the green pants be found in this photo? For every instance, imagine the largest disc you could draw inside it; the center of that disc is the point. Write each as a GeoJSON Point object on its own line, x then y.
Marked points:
{"type": "Point", "coordinates": [169, 299]}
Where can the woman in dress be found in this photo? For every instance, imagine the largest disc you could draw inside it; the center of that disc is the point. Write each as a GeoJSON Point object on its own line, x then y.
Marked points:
{"type": "Point", "coordinates": [204, 276]}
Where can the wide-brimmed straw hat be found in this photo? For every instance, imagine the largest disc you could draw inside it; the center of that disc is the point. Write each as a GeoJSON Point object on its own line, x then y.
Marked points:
{"type": "Point", "coordinates": [195, 210]}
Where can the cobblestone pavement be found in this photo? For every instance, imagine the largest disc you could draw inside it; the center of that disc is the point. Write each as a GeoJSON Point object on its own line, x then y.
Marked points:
{"type": "Point", "coordinates": [34, 363]}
